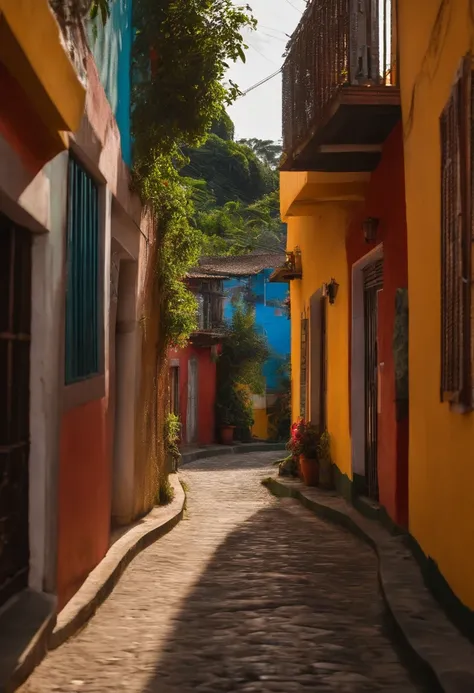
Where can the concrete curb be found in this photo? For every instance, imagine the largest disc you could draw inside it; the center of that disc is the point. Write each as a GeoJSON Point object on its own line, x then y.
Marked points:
{"type": "Point", "coordinates": [217, 451]}
{"type": "Point", "coordinates": [101, 581]}
{"type": "Point", "coordinates": [25, 627]}
{"type": "Point", "coordinates": [446, 656]}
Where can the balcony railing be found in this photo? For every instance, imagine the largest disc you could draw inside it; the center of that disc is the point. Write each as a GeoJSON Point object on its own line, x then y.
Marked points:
{"type": "Point", "coordinates": [338, 44]}
{"type": "Point", "coordinates": [210, 311]}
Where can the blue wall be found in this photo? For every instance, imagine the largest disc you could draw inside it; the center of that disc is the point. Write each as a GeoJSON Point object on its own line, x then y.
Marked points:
{"type": "Point", "coordinates": [270, 319]}
{"type": "Point", "coordinates": [112, 50]}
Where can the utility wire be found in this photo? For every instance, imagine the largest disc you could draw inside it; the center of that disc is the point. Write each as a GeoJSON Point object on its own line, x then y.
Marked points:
{"type": "Point", "coordinates": [262, 54]}
{"type": "Point", "coordinates": [277, 31]}
{"type": "Point", "coordinates": [294, 6]}
{"type": "Point", "coordinates": [259, 84]}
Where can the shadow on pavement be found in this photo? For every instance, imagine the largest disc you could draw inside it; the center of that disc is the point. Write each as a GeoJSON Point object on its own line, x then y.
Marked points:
{"type": "Point", "coordinates": [287, 604]}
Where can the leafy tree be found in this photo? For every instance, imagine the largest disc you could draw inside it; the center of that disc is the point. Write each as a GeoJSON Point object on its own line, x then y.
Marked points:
{"type": "Point", "coordinates": [267, 151]}
{"type": "Point", "coordinates": [239, 368]}
{"type": "Point", "coordinates": [180, 56]}
{"type": "Point", "coordinates": [232, 171]}
{"type": "Point", "coordinates": [223, 127]}
{"type": "Point", "coordinates": [181, 53]}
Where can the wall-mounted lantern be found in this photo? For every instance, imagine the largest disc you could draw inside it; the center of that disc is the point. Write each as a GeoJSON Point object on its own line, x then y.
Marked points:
{"type": "Point", "coordinates": [330, 290]}
{"type": "Point", "coordinates": [370, 226]}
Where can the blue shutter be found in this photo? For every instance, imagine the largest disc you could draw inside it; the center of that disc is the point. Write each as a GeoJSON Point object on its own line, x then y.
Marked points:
{"type": "Point", "coordinates": [82, 297]}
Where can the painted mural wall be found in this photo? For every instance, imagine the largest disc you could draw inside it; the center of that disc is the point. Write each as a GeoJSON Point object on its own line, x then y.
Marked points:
{"type": "Point", "coordinates": [111, 47]}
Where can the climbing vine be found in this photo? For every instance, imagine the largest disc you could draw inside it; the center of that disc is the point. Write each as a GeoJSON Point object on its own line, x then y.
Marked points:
{"type": "Point", "coordinates": [179, 62]}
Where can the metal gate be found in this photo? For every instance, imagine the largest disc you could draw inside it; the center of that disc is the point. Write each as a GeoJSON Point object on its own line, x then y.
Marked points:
{"type": "Point", "coordinates": [15, 319]}
{"type": "Point", "coordinates": [373, 283]}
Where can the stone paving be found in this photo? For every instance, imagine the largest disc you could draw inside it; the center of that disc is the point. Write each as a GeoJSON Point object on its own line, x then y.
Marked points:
{"type": "Point", "coordinates": [247, 594]}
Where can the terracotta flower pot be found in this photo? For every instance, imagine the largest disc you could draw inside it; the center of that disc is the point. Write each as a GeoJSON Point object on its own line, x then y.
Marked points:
{"type": "Point", "coordinates": [227, 435]}
{"type": "Point", "coordinates": [309, 470]}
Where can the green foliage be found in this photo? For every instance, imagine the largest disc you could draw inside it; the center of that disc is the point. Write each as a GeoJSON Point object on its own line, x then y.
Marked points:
{"type": "Point", "coordinates": [180, 243]}
{"type": "Point", "coordinates": [267, 151]}
{"type": "Point", "coordinates": [180, 57]}
{"type": "Point", "coordinates": [244, 350]}
{"type": "Point", "coordinates": [280, 414]}
{"type": "Point", "coordinates": [165, 492]}
{"type": "Point", "coordinates": [304, 440]}
{"type": "Point", "coordinates": [239, 369]}
{"type": "Point", "coordinates": [181, 52]}
{"type": "Point", "coordinates": [236, 197]}
{"type": "Point", "coordinates": [223, 127]}
{"type": "Point", "coordinates": [231, 170]}
{"type": "Point", "coordinates": [100, 8]}
{"type": "Point", "coordinates": [288, 467]}
{"type": "Point", "coordinates": [172, 435]}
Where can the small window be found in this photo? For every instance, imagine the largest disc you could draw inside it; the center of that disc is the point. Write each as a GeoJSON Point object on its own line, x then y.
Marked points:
{"type": "Point", "coordinates": [83, 295]}
{"type": "Point", "coordinates": [456, 234]}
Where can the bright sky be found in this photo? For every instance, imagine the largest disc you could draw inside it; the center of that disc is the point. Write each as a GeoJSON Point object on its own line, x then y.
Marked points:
{"type": "Point", "coordinates": [259, 113]}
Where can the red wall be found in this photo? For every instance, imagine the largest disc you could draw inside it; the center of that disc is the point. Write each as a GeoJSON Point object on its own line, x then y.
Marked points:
{"type": "Point", "coordinates": [21, 126]}
{"type": "Point", "coordinates": [84, 495]}
{"type": "Point", "coordinates": [206, 391]}
{"type": "Point", "coordinates": [386, 201]}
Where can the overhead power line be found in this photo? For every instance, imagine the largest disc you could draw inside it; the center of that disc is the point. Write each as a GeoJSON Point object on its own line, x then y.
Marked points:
{"type": "Point", "coordinates": [259, 84]}
{"type": "Point", "coordinates": [294, 6]}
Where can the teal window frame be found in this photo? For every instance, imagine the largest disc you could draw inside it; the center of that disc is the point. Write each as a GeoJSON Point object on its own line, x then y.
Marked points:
{"type": "Point", "coordinates": [83, 297]}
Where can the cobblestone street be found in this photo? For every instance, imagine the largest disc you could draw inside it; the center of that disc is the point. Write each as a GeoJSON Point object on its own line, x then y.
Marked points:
{"type": "Point", "coordinates": [248, 593]}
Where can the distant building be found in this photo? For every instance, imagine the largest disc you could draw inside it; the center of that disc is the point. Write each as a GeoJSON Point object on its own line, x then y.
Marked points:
{"type": "Point", "coordinates": [219, 282]}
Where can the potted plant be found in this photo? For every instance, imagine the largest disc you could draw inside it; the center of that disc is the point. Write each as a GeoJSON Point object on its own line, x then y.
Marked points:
{"type": "Point", "coordinates": [304, 443]}
{"type": "Point", "coordinates": [225, 423]}
{"type": "Point", "coordinates": [226, 416]}
{"type": "Point", "coordinates": [294, 444]}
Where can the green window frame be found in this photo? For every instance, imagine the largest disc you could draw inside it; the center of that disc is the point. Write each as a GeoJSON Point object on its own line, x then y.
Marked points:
{"type": "Point", "coordinates": [82, 293]}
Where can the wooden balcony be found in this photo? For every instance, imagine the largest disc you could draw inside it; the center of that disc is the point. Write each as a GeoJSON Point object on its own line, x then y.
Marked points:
{"type": "Point", "coordinates": [340, 93]}
{"type": "Point", "coordinates": [292, 269]}
{"type": "Point", "coordinates": [210, 299]}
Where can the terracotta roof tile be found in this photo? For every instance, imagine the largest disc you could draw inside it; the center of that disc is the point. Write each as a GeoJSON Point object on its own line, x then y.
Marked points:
{"type": "Point", "coordinates": [221, 267]}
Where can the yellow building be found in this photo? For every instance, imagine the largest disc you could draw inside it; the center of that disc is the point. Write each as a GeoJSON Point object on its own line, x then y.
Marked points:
{"type": "Point", "coordinates": [376, 188]}
{"type": "Point", "coordinates": [342, 196]}
{"type": "Point", "coordinates": [435, 38]}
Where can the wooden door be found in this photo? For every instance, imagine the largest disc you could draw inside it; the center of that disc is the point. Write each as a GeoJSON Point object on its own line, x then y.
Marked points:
{"type": "Point", "coordinates": [373, 282]}
{"type": "Point", "coordinates": [318, 360]}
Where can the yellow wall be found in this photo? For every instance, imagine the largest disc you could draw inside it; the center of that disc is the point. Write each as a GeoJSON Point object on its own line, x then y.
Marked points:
{"type": "Point", "coordinates": [434, 35]}
{"type": "Point", "coordinates": [32, 49]}
{"type": "Point", "coordinates": [321, 238]}
{"type": "Point", "coordinates": [260, 426]}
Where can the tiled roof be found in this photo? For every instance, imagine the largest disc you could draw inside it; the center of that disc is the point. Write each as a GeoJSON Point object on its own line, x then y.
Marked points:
{"type": "Point", "coordinates": [220, 267]}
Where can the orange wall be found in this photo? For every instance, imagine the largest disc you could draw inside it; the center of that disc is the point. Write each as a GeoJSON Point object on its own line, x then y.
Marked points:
{"type": "Point", "coordinates": [84, 495]}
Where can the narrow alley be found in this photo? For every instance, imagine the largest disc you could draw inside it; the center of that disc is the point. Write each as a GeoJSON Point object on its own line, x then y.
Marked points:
{"type": "Point", "coordinates": [247, 593]}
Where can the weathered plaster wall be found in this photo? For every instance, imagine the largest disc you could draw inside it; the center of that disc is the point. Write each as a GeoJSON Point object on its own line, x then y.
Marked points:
{"type": "Point", "coordinates": [434, 36]}
{"type": "Point", "coordinates": [87, 430]}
